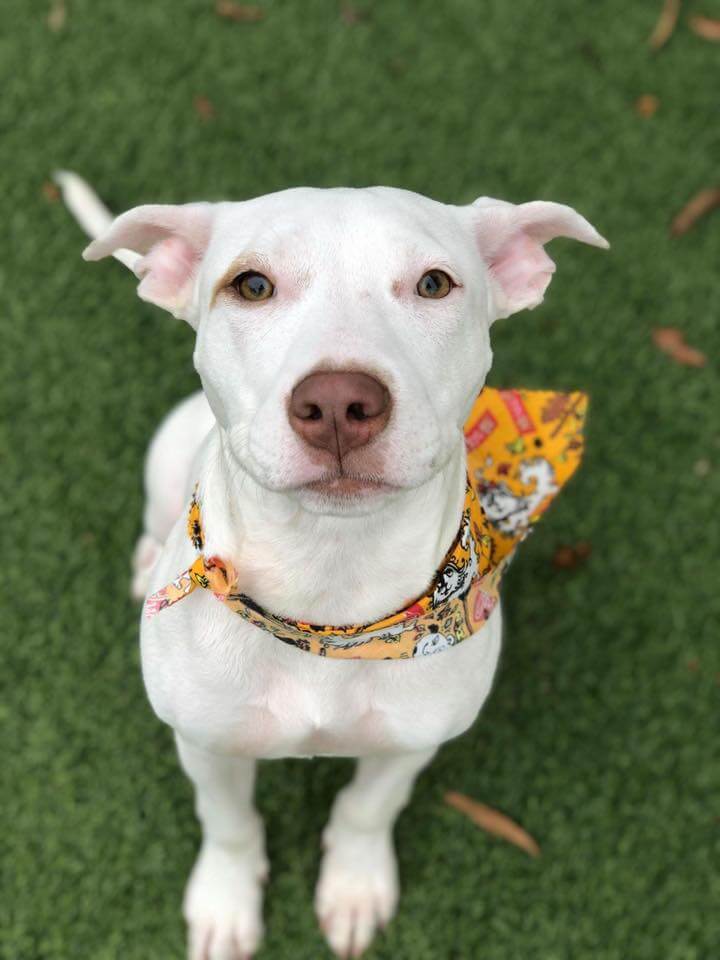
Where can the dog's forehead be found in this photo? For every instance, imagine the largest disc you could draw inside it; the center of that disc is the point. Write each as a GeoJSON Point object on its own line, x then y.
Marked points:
{"type": "Point", "coordinates": [304, 221]}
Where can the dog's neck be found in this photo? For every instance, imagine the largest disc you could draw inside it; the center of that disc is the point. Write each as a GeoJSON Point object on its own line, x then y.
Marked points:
{"type": "Point", "coordinates": [326, 568]}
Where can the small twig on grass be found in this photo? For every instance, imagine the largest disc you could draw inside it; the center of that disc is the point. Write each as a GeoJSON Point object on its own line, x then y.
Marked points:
{"type": "Point", "coordinates": [494, 822]}
{"type": "Point", "coordinates": [665, 26]}
{"type": "Point", "coordinates": [699, 205]}
{"type": "Point", "coordinates": [705, 27]}
{"type": "Point", "coordinates": [57, 16]}
{"type": "Point", "coordinates": [239, 12]}
{"type": "Point", "coordinates": [672, 342]}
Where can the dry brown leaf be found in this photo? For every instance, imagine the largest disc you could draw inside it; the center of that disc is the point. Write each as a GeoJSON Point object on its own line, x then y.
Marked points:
{"type": "Point", "coordinates": [567, 557]}
{"type": "Point", "coordinates": [492, 821]}
{"type": "Point", "coordinates": [647, 105]}
{"type": "Point", "coordinates": [702, 203]}
{"type": "Point", "coordinates": [239, 12]}
{"type": "Point", "coordinates": [564, 558]}
{"type": "Point", "coordinates": [583, 549]}
{"type": "Point", "coordinates": [351, 15]}
{"type": "Point", "coordinates": [203, 107]}
{"type": "Point", "coordinates": [665, 26]}
{"type": "Point", "coordinates": [672, 342]}
{"type": "Point", "coordinates": [705, 27]}
{"type": "Point", "coordinates": [50, 191]}
{"type": "Point", "coordinates": [57, 16]}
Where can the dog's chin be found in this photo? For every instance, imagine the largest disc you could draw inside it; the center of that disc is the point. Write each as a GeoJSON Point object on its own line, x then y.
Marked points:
{"type": "Point", "coordinates": [344, 495]}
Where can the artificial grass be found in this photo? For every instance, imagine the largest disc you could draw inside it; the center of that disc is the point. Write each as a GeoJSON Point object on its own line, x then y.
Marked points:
{"type": "Point", "coordinates": [601, 734]}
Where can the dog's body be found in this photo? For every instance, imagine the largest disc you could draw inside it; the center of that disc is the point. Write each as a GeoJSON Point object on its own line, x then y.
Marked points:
{"type": "Point", "coordinates": [312, 540]}
{"type": "Point", "coordinates": [244, 693]}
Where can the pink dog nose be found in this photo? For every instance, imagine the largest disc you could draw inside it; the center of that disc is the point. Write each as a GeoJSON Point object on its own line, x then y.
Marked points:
{"type": "Point", "coordinates": [339, 411]}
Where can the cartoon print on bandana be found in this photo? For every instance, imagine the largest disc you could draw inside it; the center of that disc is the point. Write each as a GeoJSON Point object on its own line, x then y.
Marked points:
{"type": "Point", "coordinates": [506, 493]}
{"type": "Point", "coordinates": [448, 629]}
{"type": "Point", "coordinates": [433, 642]}
{"type": "Point", "coordinates": [455, 577]}
{"type": "Point", "coordinates": [193, 523]}
{"type": "Point", "coordinates": [390, 634]}
{"type": "Point", "coordinates": [481, 599]}
{"type": "Point", "coordinates": [510, 511]}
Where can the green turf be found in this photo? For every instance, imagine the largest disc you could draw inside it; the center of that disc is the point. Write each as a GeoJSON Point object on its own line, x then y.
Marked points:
{"type": "Point", "coordinates": [602, 734]}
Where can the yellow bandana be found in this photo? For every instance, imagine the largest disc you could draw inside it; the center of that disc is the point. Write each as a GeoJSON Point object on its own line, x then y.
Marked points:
{"type": "Point", "coordinates": [522, 447]}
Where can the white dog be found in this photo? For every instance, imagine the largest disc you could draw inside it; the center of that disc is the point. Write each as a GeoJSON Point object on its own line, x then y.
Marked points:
{"type": "Point", "coordinates": [342, 336]}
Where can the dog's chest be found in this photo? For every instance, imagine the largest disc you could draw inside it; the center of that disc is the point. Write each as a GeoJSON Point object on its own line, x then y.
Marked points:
{"type": "Point", "coordinates": [233, 688]}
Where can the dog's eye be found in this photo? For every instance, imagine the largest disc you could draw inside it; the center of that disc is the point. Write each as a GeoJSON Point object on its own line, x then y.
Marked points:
{"type": "Point", "coordinates": [434, 284]}
{"type": "Point", "coordinates": [253, 286]}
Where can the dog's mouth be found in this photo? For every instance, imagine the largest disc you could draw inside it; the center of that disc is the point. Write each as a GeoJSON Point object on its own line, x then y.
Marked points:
{"type": "Point", "coordinates": [348, 486]}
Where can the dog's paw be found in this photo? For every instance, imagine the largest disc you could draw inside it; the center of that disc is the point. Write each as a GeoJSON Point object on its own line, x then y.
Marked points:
{"type": "Point", "coordinates": [145, 555]}
{"type": "Point", "coordinates": [358, 888]}
{"type": "Point", "coordinates": [223, 903]}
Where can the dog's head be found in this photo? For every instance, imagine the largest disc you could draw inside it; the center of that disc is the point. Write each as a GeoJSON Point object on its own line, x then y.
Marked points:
{"type": "Point", "coordinates": [342, 335]}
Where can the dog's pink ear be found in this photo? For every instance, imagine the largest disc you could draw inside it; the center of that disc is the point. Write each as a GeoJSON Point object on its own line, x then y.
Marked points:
{"type": "Point", "coordinates": [169, 242]}
{"type": "Point", "coordinates": [511, 239]}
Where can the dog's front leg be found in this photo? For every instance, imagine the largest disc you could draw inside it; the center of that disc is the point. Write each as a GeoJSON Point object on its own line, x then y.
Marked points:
{"type": "Point", "coordinates": [223, 899]}
{"type": "Point", "coordinates": [358, 886]}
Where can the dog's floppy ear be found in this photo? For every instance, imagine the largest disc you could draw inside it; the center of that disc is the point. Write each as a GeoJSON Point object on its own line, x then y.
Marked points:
{"type": "Point", "coordinates": [170, 242]}
{"type": "Point", "coordinates": [511, 238]}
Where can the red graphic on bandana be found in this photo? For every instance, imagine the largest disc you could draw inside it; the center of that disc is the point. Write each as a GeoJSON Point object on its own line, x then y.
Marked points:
{"type": "Point", "coordinates": [518, 411]}
{"type": "Point", "coordinates": [479, 431]}
{"type": "Point", "coordinates": [416, 610]}
{"type": "Point", "coordinates": [484, 606]}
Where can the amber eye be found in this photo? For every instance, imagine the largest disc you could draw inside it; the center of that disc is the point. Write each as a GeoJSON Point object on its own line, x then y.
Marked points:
{"type": "Point", "coordinates": [253, 286]}
{"type": "Point", "coordinates": [434, 284]}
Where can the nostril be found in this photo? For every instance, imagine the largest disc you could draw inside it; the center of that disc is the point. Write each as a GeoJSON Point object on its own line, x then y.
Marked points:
{"type": "Point", "coordinates": [311, 411]}
{"type": "Point", "coordinates": [356, 411]}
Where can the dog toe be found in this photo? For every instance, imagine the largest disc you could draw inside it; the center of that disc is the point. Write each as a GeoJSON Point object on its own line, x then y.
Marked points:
{"type": "Point", "coordinates": [223, 904]}
{"type": "Point", "coordinates": [356, 893]}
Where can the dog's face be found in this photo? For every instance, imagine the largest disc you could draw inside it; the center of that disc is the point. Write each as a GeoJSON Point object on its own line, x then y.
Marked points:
{"type": "Point", "coordinates": [342, 335]}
